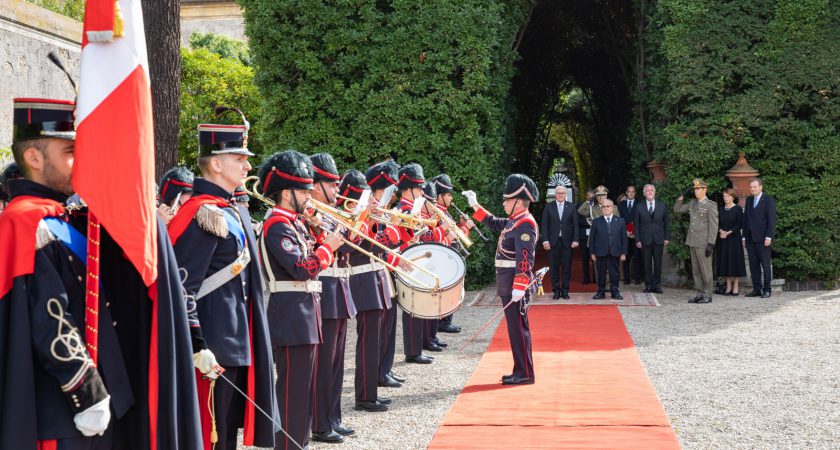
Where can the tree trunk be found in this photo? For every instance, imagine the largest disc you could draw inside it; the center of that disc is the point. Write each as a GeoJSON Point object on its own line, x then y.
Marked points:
{"type": "Point", "coordinates": [163, 43]}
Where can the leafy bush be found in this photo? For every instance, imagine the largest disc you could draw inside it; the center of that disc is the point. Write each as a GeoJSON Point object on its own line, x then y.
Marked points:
{"type": "Point", "coordinates": [74, 9]}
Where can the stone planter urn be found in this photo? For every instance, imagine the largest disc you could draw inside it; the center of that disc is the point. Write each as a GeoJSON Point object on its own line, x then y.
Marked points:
{"type": "Point", "coordinates": [657, 171]}
{"type": "Point", "coordinates": [740, 175]}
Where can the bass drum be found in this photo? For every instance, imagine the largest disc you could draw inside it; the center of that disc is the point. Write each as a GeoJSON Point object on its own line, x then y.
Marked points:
{"type": "Point", "coordinates": [419, 300]}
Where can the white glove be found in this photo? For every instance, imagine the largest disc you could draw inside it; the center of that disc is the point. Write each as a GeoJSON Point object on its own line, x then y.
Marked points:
{"type": "Point", "coordinates": [518, 294]}
{"type": "Point", "coordinates": [472, 200]}
{"type": "Point", "coordinates": [205, 362]}
{"type": "Point", "coordinates": [94, 420]}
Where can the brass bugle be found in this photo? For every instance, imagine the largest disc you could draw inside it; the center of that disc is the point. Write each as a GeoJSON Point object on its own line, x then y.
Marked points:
{"type": "Point", "coordinates": [385, 216]}
{"type": "Point", "coordinates": [254, 191]}
{"type": "Point", "coordinates": [457, 231]}
{"type": "Point", "coordinates": [349, 223]}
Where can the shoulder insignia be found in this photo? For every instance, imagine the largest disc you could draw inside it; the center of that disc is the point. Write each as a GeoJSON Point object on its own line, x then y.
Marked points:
{"type": "Point", "coordinates": [525, 237]}
{"type": "Point", "coordinates": [43, 235]}
{"type": "Point", "coordinates": [287, 244]}
{"type": "Point", "coordinates": [211, 219]}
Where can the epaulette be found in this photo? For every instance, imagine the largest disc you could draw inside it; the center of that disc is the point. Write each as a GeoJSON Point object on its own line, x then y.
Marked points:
{"type": "Point", "coordinates": [211, 219]}
{"type": "Point", "coordinates": [43, 235]}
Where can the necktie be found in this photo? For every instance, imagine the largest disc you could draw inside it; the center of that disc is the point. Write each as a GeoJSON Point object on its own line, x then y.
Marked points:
{"type": "Point", "coordinates": [650, 208]}
{"type": "Point", "coordinates": [630, 205]}
{"type": "Point", "coordinates": [755, 202]}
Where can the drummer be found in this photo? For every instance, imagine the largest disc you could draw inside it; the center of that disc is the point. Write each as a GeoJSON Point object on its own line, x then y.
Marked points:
{"type": "Point", "coordinates": [514, 261]}
{"type": "Point", "coordinates": [430, 341]}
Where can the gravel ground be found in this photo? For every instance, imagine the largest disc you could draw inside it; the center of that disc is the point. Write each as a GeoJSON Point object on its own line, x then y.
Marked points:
{"type": "Point", "coordinates": [736, 374]}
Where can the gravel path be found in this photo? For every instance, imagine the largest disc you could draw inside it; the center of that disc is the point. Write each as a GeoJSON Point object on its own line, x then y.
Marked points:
{"type": "Point", "coordinates": [736, 374]}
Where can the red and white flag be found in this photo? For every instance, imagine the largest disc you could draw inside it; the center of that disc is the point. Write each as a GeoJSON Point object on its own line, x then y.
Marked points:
{"type": "Point", "coordinates": [114, 164]}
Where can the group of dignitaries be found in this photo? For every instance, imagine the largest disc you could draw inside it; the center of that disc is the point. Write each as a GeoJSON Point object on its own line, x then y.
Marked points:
{"type": "Point", "coordinates": [257, 298]}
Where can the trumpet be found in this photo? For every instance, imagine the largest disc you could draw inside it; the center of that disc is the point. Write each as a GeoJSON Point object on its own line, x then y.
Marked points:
{"type": "Point", "coordinates": [462, 237]}
{"type": "Point", "coordinates": [254, 192]}
{"type": "Point", "coordinates": [386, 216]}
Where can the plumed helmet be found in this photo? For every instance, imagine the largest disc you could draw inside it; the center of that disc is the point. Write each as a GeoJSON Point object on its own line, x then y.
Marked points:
{"type": "Point", "coordinates": [10, 172]}
{"type": "Point", "coordinates": [323, 166]}
{"type": "Point", "coordinates": [177, 180]}
{"type": "Point", "coordinates": [443, 184]}
{"type": "Point", "coordinates": [430, 192]}
{"type": "Point", "coordinates": [285, 170]}
{"type": "Point", "coordinates": [241, 195]}
{"type": "Point", "coordinates": [411, 176]}
{"type": "Point", "coordinates": [382, 175]}
{"type": "Point", "coordinates": [521, 186]}
{"type": "Point", "coordinates": [353, 183]}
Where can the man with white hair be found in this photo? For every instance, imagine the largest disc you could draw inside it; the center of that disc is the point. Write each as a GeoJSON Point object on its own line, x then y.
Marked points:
{"type": "Point", "coordinates": [559, 230]}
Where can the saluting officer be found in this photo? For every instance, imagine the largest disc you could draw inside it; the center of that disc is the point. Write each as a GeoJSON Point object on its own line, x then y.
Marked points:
{"type": "Point", "coordinates": [215, 247]}
{"type": "Point", "coordinates": [443, 185]}
{"type": "Point", "coordinates": [292, 263]}
{"type": "Point", "coordinates": [369, 285]}
{"type": "Point", "coordinates": [336, 308]}
{"type": "Point", "coordinates": [514, 262]}
{"type": "Point", "coordinates": [700, 237]}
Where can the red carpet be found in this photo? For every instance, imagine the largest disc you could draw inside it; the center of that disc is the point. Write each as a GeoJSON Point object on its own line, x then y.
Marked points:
{"type": "Point", "coordinates": [591, 390]}
{"type": "Point", "coordinates": [576, 281]}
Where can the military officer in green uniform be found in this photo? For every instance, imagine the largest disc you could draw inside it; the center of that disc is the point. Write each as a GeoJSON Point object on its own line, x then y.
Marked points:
{"type": "Point", "coordinates": [700, 237]}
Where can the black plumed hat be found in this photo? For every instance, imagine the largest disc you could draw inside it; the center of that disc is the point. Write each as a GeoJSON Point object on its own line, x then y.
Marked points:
{"type": "Point", "coordinates": [36, 118]}
{"type": "Point", "coordinates": [324, 168]}
{"type": "Point", "coordinates": [285, 170]}
{"type": "Point", "coordinates": [10, 172]}
{"type": "Point", "coordinates": [430, 192]}
{"type": "Point", "coordinates": [411, 176]}
{"type": "Point", "coordinates": [176, 180]}
{"type": "Point", "coordinates": [241, 195]}
{"type": "Point", "coordinates": [353, 183]}
{"type": "Point", "coordinates": [520, 186]}
{"type": "Point", "coordinates": [443, 184]}
{"type": "Point", "coordinates": [382, 175]}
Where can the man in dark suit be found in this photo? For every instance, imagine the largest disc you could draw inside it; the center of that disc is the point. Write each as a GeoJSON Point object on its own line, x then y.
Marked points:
{"type": "Point", "coordinates": [627, 210]}
{"type": "Point", "coordinates": [608, 245]}
{"type": "Point", "coordinates": [652, 235]}
{"type": "Point", "coordinates": [560, 236]}
{"type": "Point", "coordinates": [759, 232]}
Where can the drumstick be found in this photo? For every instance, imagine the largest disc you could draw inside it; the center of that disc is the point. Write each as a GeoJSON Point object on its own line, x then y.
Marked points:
{"type": "Point", "coordinates": [423, 256]}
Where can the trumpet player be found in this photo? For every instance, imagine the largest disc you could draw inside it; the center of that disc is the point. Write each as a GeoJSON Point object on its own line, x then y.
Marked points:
{"type": "Point", "coordinates": [337, 308]}
{"type": "Point", "coordinates": [514, 261]}
{"type": "Point", "coordinates": [292, 263]}
{"type": "Point", "coordinates": [176, 187]}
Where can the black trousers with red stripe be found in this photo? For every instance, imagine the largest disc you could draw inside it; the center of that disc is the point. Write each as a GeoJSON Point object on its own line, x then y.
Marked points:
{"type": "Point", "coordinates": [413, 331]}
{"type": "Point", "coordinates": [430, 331]}
{"type": "Point", "coordinates": [295, 369]}
{"type": "Point", "coordinates": [388, 341]}
{"type": "Point", "coordinates": [519, 334]}
{"type": "Point", "coordinates": [329, 375]}
{"type": "Point", "coordinates": [369, 326]}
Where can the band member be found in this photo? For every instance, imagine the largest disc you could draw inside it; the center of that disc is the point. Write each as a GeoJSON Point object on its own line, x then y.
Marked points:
{"type": "Point", "coordinates": [410, 183]}
{"type": "Point", "coordinates": [514, 261]}
{"type": "Point", "coordinates": [215, 247]}
{"type": "Point", "coordinates": [369, 285]}
{"type": "Point", "coordinates": [430, 341]}
{"type": "Point", "coordinates": [175, 189]}
{"type": "Point", "coordinates": [336, 308]}
{"type": "Point", "coordinates": [443, 185]}
{"type": "Point", "coordinates": [382, 180]}
{"type": "Point", "coordinates": [54, 393]}
{"type": "Point", "coordinates": [10, 172]}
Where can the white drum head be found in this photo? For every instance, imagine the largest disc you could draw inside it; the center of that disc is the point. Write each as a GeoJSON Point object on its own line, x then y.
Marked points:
{"type": "Point", "coordinates": [438, 259]}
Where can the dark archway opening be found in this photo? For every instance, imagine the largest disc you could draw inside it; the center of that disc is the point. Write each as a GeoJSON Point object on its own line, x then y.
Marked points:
{"type": "Point", "coordinates": [574, 90]}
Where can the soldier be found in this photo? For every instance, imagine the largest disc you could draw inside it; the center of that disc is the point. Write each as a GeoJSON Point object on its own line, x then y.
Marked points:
{"type": "Point", "coordinates": [443, 184]}
{"type": "Point", "coordinates": [514, 261]}
{"type": "Point", "coordinates": [337, 308]}
{"type": "Point", "coordinates": [10, 172]}
{"type": "Point", "coordinates": [430, 341]}
{"type": "Point", "coordinates": [371, 292]}
{"type": "Point", "coordinates": [215, 247]}
{"type": "Point", "coordinates": [700, 237]}
{"type": "Point", "coordinates": [382, 180]}
{"type": "Point", "coordinates": [175, 189]}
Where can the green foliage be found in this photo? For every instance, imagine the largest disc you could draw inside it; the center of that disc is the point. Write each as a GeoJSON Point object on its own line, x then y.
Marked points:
{"type": "Point", "coordinates": [759, 77]}
{"type": "Point", "coordinates": [422, 81]}
{"type": "Point", "coordinates": [74, 9]}
{"type": "Point", "coordinates": [224, 46]}
{"type": "Point", "coordinates": [209, 80]}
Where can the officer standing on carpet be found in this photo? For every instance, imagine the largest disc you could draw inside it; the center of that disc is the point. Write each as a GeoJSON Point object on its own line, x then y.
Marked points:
{"type": "Point", "coordinates": [514, 262]}
{"type": "Point", "coordinates": [337, 308]}
{"type": "Point", "coordinates": [700, 237]}
{"type": "Point", "coordinates": [216, 249]}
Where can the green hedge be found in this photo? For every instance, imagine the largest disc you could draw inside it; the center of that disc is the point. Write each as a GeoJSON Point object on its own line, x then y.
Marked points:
{"type": "Point", "coordinates": [759, 77]}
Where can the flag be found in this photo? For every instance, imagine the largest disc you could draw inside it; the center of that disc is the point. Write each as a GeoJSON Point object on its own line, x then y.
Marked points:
{"type": "Point", "coordinates": [114, 164]}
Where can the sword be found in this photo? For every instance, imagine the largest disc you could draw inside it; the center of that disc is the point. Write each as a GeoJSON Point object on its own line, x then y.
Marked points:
{"type": "Point", "coordinates": [268, 416]}
{"type": "Point", "coordinates": [538, 277]}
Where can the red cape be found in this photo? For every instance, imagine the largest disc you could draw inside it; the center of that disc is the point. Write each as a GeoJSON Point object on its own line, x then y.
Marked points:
{"type": "Point", "coordinates": [187, 211]}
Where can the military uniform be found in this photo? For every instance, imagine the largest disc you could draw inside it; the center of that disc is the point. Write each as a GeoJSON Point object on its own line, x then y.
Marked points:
{"type": "Point", "coordinates": [336, 308]}
{"type": "Point", "coordinates": [514, 263]}
{"type": "Point", "coordinates": [700, 238]}
{"type": "Point", "coordinates": [215, 247]}
{"type": "Point", "coordinates": [443, 184]}
{"type": "Point", "coordinates": [430, 341]}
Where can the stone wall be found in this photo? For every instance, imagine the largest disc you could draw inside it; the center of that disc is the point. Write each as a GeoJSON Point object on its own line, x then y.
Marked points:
{"type": "Point", "coordinates": [27, 34]}
{"type": "Point", "coordinates": [211, 16]}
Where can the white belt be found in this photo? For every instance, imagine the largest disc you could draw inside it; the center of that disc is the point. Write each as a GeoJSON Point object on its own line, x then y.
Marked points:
{"type": "Point", "coordinates": [335, 272]}
{"type": "Point", "coordinates": [508, 263]}
{"type": "Point", "coordinates": [224, 275]}
{"type": "Point", "coordinates": [365, 268]}
{"type": "Point", "coordinates": [294, 286]}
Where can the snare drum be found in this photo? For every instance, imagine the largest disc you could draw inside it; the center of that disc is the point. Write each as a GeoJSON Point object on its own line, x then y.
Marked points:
{"type": "Point", "coordinates": [425, 303]}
